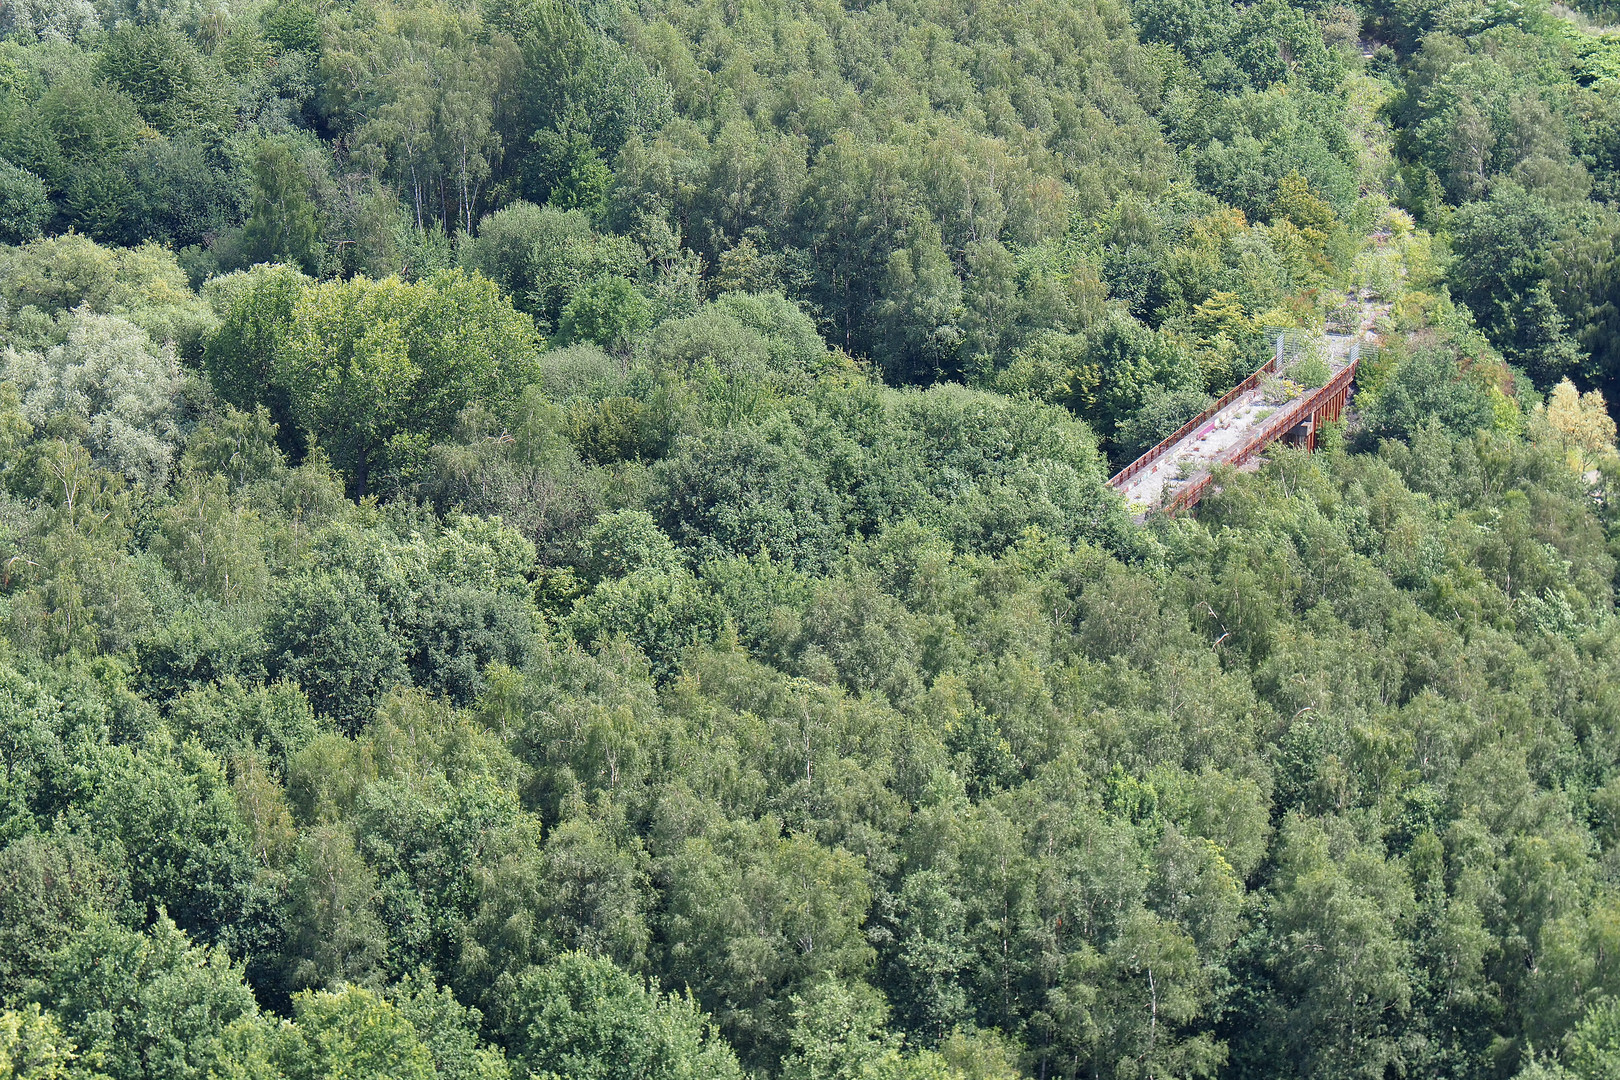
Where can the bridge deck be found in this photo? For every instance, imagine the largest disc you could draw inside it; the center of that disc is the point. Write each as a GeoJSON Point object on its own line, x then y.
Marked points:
{"type": "Point", "coordinates": [1173, 474]}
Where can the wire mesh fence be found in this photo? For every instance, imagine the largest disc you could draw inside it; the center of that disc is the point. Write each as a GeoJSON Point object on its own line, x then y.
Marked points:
{"type": "Point", "coordinates": [1289, 344]}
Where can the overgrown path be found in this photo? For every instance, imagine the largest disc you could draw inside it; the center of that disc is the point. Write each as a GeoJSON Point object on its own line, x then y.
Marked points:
{"type": "Point", "coordinates": [1257, 412]}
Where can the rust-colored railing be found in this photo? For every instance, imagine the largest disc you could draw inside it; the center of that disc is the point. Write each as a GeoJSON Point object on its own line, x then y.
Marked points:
{"type": "Point", "coordinates": [1327, 401]}
{"type": "Point", "coordinates": [1272, 365]}
{"type": "Point", "coordinates": [1192, 425]}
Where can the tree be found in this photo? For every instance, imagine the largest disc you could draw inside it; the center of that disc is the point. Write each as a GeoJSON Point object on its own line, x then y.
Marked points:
{"type": "Point", "coordinates": [579, 1016]}
{"type": "Point", "coordinates": [33, 1047]}
{"type": "Point", "coordinates": [378, 370]}
{"type": "Point", "coordinates": [662, 612]}
{"type": "Point", "coordinates": [1122, 365]}
{"type": "Point", "coordinates": [581, 94]}
{"type": "Point", "coordinates": [929, 957]}
{"type": "Point", "coordinates": [1583, 423]}
{"type": "Point", "coordinates": [921, 313]}
{"type": "Point", "coordinates": [255, 310]}
{"type": "Point", "coordinates": [126, 396]}
{"type": "Point", "coordinates": [212, 544]}
{"type": "Point", "coordinates": [457, 631]}
{"type": "Point", "coordinates": [92, 126]}
{"type": "Point", "coordinates": [1593, 1049]}
{"type": "Point", "coordinates": [753, 918]}
{"type": "Point", "coordinates": [1429, 387]}
{"type": "Point", "coordinates": [72, 587]}
{"type": "Point", "coordinates": [1502, 244]}
{"type": "Point", "coordinates": [622, 543]}
{"type": "Point", "coordinates": [735, 491]}
{"type": "Point", "coordinates": [599, 893]}
{"type": "Point", "coordinates": [165, 74]}
{"type": "Point", "coordinates": [566, 171]}
{"type": "Point", "coordinates": [418, 86]}
{"type": "Point", "coordinates": [448, 1031]}
{"type": "Point", "coordinates": [336, 938]}
{"type": "Point", "coordinates": [839, 1033]}
{"type": "Point", "coordinates": [52, 886]}
{"type": "Point", "coordinates": [143, 284]}
{"type": "Point", "coordinates": [543, 255]}
{"type": "Point", "coordinates": [350, 1032]}
{"type": "Point", "coordinates": [24, 204]}
{"type": "Point", "coordinates": [282, 225]}
{"type": "Point", "coordinates": [1154, 988]}
{"type": "Point", "coordinates": [190, 853]}
{"type": "Point", "coordinates": [608, 311]}
{"type": "Point", "coordinates": [146, 1005]}
{"type": "Point", "coordinates": [1308, 212]}
{"type": "Point", "coordinates": [328, 633]}
{"type": "Point", "coordinates": [1340, 959]}
{"type": "Point", "coordinates": [1161, 413]}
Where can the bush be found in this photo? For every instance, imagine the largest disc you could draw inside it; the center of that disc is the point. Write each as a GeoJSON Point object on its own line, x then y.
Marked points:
{"type": "Point", "coordinates": [1310, 372]}
{"type": "Point", "coordinates": [1277, 389]}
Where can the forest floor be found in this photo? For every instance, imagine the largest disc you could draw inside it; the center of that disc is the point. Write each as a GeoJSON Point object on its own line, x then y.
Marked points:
{"type": "Point", "coordinates": [1225, 434]}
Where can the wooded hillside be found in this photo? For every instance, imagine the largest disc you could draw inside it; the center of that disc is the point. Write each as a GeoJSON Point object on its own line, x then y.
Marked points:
{"type": "Point", "coordinates": [567, 539]}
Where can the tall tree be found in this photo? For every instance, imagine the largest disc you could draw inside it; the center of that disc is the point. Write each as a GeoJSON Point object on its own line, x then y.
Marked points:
{"type": "Point", "coordinates": [282, 226]}
{"type": "Point", "coordinates": [376, 370]}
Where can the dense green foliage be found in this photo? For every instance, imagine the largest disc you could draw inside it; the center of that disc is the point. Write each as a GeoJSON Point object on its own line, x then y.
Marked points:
{"type": "Point", "coordinates": [556, 539]}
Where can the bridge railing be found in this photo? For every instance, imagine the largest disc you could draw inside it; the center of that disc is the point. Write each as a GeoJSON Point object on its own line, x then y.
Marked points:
{"type": "Point", "coordinates": [1192, 425]}
{"type": "Point", "coordinates": [1267, 433]}
{"type": "Point", "coordinates": [1291, 414]}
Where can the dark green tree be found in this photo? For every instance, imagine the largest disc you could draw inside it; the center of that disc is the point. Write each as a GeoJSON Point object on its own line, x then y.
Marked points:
{"type": "Point", "coordinates": [25, 205]}
{"type": "Point", "coordinates": [1429, 388]}
{"type": "Point", "coordinates": [282, 226]}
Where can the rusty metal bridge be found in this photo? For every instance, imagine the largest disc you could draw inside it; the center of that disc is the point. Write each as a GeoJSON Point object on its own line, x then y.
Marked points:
{"type": "Point", "coordinates": [1261, 410]}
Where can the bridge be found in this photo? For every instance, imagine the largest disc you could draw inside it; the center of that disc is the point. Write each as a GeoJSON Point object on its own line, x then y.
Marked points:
{"type": "Point", "coordinates": [1260, 410]}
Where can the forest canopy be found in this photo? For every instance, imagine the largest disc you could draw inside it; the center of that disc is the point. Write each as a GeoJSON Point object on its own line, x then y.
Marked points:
{"type": "Point", "coordinates": [571, 538]}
